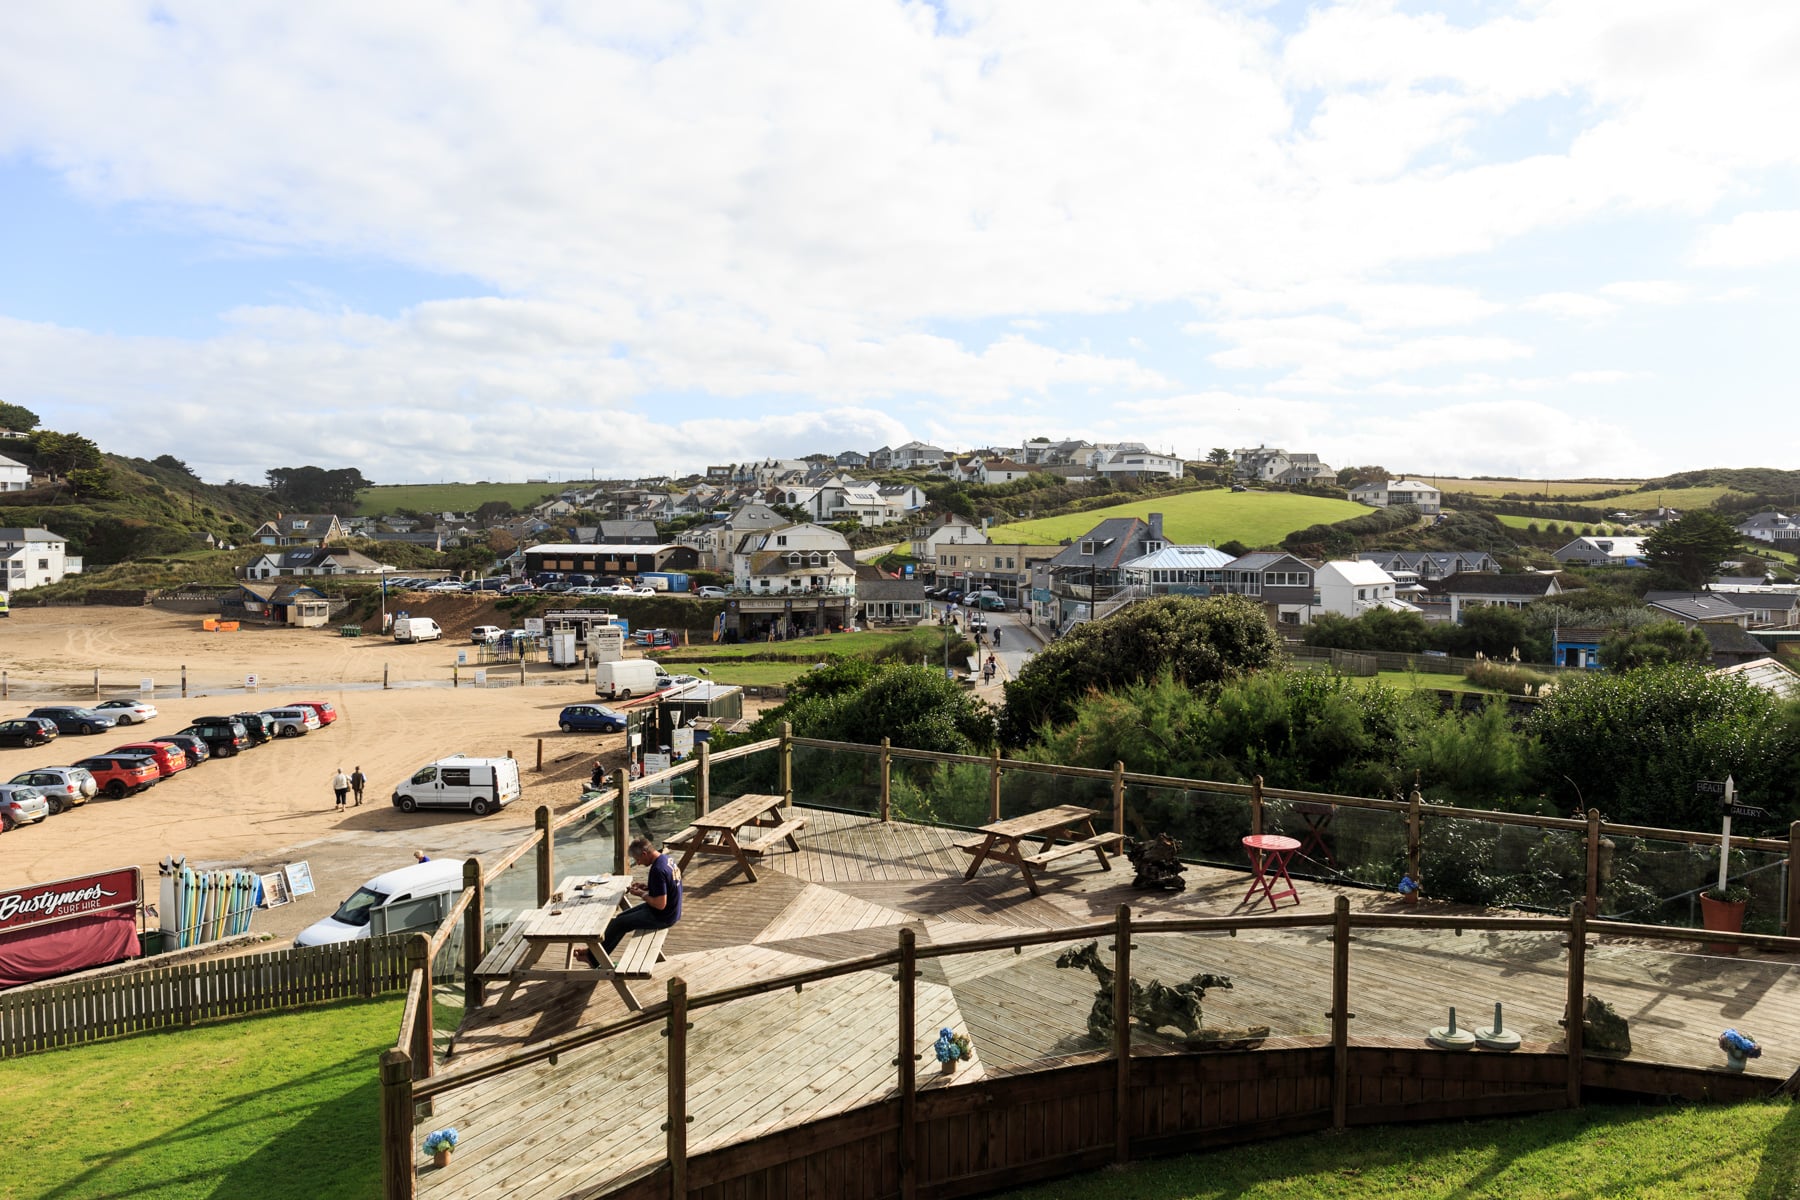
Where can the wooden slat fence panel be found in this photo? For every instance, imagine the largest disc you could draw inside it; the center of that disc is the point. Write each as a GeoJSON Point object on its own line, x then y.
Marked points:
{"type": "Point", "coordinates": [161, 996]}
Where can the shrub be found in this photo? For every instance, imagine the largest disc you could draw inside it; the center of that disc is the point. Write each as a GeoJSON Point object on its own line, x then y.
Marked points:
{"type": "Point", "coordinates": [1504, 677]}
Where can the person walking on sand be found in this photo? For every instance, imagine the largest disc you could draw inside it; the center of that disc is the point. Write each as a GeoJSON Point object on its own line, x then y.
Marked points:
{"type": "Point", "coordinates": [358, 781]}
{"type": "Point", "coordinates": [340, 783]}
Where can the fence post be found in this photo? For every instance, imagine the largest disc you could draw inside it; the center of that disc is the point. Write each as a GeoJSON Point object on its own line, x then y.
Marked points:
{"type": "Point", "coordinates": [888, 781]}
{"type": "Point", "coordinates": [184, 681]}
{"type": "Point", "coordinates": [677, 1073]}
{"type": "Point", "coordinates": [1577, 999]}
{"type": "Point", "coordinates": [1412, 831]}
{"type": "Point", "coordinates": [396, 1126]}
{"type": "Point", "coordinates": [1792, 928]}
{"type": "Point", "coordinates": [1593, 863]}
{"type": "Point", "coordinates": [1122, 1035]}
{"type": "Point", "coordinates": [1340, 1012]}
{"type": "Point", "coordinates": [384, 677]}
{"type": "Point", "coordinates": [365, 967]}
{"type": "Point", "coordinates": [906, 1065]}
{"type": "Point", "coordinates": [787, 764]}
{"type": "Point", "coordinates": [418, 958]}
{"type": "Point", "coordinates": [621, 833]}
{"type": "Point", "coordinates": [540, 756]}
{"type": "Point", "coordinates": [1256, 806]}
{"type": "Point", "coordinates": [994, 784]}
{"type": "Point", "coordinates": [96, 681]}
{"type": "Point", "coordinates": [1118, 797]}
{"type": "Point", "coordinates": [703, 779]}
{"type": "Point", "coordinates": [474, 931]}
{"type": "Point", "coordinates": [546, 856]}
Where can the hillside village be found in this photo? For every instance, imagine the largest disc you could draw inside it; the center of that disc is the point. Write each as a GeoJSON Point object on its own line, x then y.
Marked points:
{"type": "Point", "coordinates": [765, 532]}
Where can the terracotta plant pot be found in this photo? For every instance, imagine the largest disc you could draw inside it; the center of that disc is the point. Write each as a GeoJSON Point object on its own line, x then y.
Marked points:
{"type": "Point", "coordinates": [441, 1157]}
{"type": "Point", "coordinates": [947, 1068]}
{"type": "Point", "coordinates": [1721, 916]}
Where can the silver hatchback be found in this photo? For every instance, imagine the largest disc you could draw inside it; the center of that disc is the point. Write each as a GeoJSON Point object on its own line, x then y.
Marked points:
{"type": "Point", "coordinates": [22, 805]}
{"type": "Point", "coordinates": [63, 787]}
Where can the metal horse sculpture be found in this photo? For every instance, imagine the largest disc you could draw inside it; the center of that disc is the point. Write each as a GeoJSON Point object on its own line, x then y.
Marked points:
{"type": "Point", "coordinates": [1153, 1005]}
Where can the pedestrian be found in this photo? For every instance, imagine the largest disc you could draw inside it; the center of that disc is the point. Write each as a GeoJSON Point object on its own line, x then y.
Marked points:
{"type": "Point", "coordinates": [358, 781]}
{"type": "Point", "coordinates": [340, 783]}
{"type": "Point", "coordinates": [996, 637]}
{"type": "Point", "coordinates": [421, 856]}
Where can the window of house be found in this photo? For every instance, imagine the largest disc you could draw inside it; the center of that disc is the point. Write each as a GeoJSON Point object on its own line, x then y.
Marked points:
{"type": "Point", "coordinates": [781, 539]}
{"type": "Point", "coordinates": [982, 561]}
{"type": "Point", "coordinates": [43, 564]}
{"type": "Point", "coordinates": [1087, 549]}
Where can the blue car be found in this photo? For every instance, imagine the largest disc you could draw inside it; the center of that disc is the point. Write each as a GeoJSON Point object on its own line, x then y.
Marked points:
{"type": "Point", "coordinates": [71, 719]}
{"type": "Point", "coordinates": [595, 718]}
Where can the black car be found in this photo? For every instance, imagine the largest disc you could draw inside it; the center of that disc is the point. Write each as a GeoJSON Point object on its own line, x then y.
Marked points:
{"type": "Point", "coordinates": [259, 727]}
{"type": "Point", "coordinates": [27, 731]}
{"type": "Point", "coordinates": [195, 748]}
{"type": "Point", "coordinates": [223, 737]}
{"type": "Point", "coordinates": [70, 719]}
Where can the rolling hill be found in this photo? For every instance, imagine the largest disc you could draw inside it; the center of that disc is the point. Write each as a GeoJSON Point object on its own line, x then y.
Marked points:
{"type": "Point", "coordinates": [1255, 518]}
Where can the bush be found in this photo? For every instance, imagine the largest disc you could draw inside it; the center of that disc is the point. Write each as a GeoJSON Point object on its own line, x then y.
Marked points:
{"type": "Point", "coordinates": [1504, 677]}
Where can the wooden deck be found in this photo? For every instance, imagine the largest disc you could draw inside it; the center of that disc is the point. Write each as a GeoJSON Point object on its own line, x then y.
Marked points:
{"type": "Point", "coordinates": [577, 1127]}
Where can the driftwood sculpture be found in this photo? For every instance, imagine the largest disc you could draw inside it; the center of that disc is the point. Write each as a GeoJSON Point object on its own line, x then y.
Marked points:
{"type": "Point", "coordinates": [1153, 1005]}
{"type": "Point", "coordinates": [1158, 867]}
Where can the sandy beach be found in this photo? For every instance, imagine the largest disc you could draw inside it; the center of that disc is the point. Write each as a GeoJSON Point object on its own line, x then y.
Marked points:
{"type": "Point", "coordinates": [274, 804]}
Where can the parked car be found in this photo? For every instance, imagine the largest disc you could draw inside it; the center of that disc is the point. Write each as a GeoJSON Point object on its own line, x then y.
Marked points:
{"type": "Point", "coordinates": [514, 588]}
{"type": "Point", "coordinates": [481, 785]}
{"type": "Point", "coordinates": [255, 725]}
{"type": "Point", "coordinates": [223, 738]}
{"type": "Point", "coordinates": [448, 585]}
{"type": "Point", "coordinates": [291, 722]}
{"type": "Point", "coordinates": [709, 592]}
{"type": "Point", "coordinates": [326, 711]}
{"type": "Point", "coordinates": [168, 758]}
{"type": "Point", "coordinates": [71, 719]}
{"type": "Point", "coordinates": [119, 775]}
{"type": "Point", "coordinates": [485, 633]}
{"type": "Point", "coordinates": [27, 731]}
{"type": "Point", "coordinates": [557, 587]}
{"type": "Point", "coordinates": [21, 804]}
{"type": "Point", "coordinates": [128, 712]}
{"type": "Point", "coordinates": [63, 787]}
{"type": "Point", "coordinates": [591, 718]}
{"type": "Point", "coordinates": [642, 591]}
{"type": "Point", "coordinates": [394, 901]}
{"type": "Point", "coordinates": [195, 748]}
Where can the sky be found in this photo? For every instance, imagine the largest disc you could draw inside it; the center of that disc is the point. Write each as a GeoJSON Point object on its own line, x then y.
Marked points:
{"type": "Point", "coordinates": [508, 240]}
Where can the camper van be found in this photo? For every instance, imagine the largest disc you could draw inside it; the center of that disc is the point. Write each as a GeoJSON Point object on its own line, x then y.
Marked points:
{"type": "Point", "coordinates": [415, 897]}
{"type": "Point", "coordinates": [416, 629]}
{"type": "Point", "coordinates": [629, 677]}
{"type": "Point", "coordinates": [481, 785]}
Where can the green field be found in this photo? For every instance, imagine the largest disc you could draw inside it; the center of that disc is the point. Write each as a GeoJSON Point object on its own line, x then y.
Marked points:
{"type": "Point", "coordinates": [1192, 518]}
{"type": "Point", "coordinates": [1518, 522]}
{"type": "Point", "coordinates": [1682, 498]}
{"type": "Point", "coordinates": [753, 674]}
{"type": "Point", "coordinates": [450, 497]}
{"type": "Point", "coordinates": [282, 1107]}
{"type": "Point", "coordinates": [1531, 489]}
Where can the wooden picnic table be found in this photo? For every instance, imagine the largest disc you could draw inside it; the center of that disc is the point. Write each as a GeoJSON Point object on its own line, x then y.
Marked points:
{"type": "Point", "coordinates": [716, 832]}
{"type": "Point", "coordinates": [1004, 841]}
{"type": "Point", "coordinates": [575, 919]}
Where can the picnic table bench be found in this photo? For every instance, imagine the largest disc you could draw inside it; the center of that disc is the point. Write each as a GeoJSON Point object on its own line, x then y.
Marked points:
{"type": "Point", "coordinates": [716, 832]}
{"type": "Point", "coordinates": [544, 943]}
{"type": "Point", "coordinates": [1004, 841]}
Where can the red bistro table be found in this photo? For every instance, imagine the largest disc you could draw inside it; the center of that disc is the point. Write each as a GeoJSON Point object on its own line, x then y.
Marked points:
{"type": "Point", "coordinates": [1269, 854]}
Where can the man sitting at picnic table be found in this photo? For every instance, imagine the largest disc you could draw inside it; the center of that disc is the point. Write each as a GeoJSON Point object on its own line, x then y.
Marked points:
{"type": "Point", "coordinates": [662, 895]}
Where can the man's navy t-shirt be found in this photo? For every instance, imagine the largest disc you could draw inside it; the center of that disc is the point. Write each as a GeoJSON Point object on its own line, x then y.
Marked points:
{"type": "Point", "coordinates": [665, 880]}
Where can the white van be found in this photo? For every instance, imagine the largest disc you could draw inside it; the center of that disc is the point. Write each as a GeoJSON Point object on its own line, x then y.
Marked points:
{"type": "Point", "coordinates": [481, 785]}
{"type": "Point", "coordinates": [415, 897]}
{"type": "Point", "coordinates": [629, 677]}
{"type": "Point", "coordinates": [416, 629]}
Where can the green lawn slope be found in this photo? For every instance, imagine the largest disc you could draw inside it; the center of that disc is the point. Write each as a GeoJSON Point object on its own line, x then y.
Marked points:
{"type": "Point", "coordinates": [1209, 517]}
{"type": "Point", "coordinates": [450, 497]}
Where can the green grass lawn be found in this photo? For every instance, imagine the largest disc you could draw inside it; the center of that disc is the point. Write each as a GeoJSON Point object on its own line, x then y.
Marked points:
{"type": "Point", "coordinates": [1210, 517]}
{"type": "Point", "coordinates": [753, 674]}
{"type": "Point", "coordinates": [808, 649]}
{"type": "Point", "coordinates": [279, 1107]}
{"type": "Point", "coordinates": [450, 497]}
{"type": "Point", "coordinates": [1518, 522]}
{"type": "Point", "coordinates": [1749, 1151]}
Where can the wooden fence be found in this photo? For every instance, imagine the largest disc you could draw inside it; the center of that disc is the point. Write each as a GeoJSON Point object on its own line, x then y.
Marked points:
{"type": "Point", "coordinates": [160, 997]}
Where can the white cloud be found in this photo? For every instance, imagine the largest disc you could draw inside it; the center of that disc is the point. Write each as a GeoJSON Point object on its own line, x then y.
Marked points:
{"type": "Point", "coordinates": [1519, 437]}
{"type": "Point", "coordinates": [1646, 291]}
{"type": "Point", "coordinates": [1574, 305]}
{"type": "Point", "coordinates": [1748, 240]}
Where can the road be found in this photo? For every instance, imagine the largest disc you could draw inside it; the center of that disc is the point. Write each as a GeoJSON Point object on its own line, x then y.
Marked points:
{"type": "Point", "coordinates": [1017, 643]}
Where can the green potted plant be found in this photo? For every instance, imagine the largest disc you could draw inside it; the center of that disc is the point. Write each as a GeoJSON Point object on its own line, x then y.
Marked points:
{"type": "Point", "coordinates": [439, 1143]}
{"type": "Point", "coordinates": [1722, 911]}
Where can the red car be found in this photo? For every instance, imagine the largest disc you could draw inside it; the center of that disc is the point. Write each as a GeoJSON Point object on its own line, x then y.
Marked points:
{"type": "Point", "coordinates": [169, 758]}
{"type": "Point", "coordinates": [121, 774]}
{"type": "Point", "coordinates": [327, 714]}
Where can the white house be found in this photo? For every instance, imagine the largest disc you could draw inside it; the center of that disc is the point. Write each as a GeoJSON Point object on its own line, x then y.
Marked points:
{"type": "Point", "coordinates": [950, 530]}
{"type": "Point", "coordinates": [1603, 552]}
{"type": "Point", "coordinates": [1391, 493]}
{"type": "Point", "coordinates": [794, 558]}
{"type": "Point", "coordinates": [1776, 528]}
{"type": "Point", "coordinates": [299, 529]}
{"type": "Point", "coordinates": [1350, 589]}
{"type": "Point", "coordinates": [34, 557]}
{"type": "Point", "coordinates": [311, 560]}
{"type": "Point", "coordinates": [1001, 470]}
{"type": "Point", "coordinates": [14, 476]}
{"type": "Point", "coordinates": [1136, 464]}
{"type": "Point", "coordinates": [916, 454]}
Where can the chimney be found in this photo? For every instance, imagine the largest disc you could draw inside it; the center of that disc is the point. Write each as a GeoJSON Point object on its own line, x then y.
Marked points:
{"type": "Point", "coordinates": [1156, 533]}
